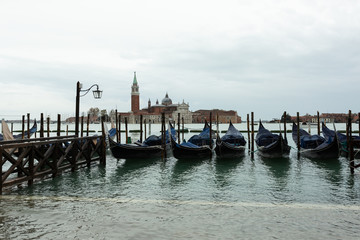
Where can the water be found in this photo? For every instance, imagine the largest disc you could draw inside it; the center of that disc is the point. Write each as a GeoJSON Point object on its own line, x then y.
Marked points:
{"type": "Point", "coordinates": [214, 198]}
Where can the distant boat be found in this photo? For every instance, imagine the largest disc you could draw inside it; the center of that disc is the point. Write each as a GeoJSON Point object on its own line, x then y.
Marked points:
{"type": "Point", "coordinates": [198, 146]}
{"type": "Point", "coordinates": [232, 144]}
{"type": "Point", "coordinates": [315, 146]}
{"type": "Point", "coordinates": [8, 136]}
{"type": "Point", "coordinates": [271, 145]}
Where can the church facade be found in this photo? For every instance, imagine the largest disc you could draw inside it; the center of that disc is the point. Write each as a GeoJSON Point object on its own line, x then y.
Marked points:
{"type": "Point", "coordinates": [153, 112]}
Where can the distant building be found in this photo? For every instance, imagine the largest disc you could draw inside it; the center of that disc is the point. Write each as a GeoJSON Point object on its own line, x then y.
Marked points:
{"type": "Point", "coordinates": [326, 118]}
{"type": "Point", "coordinates": [200, 116]}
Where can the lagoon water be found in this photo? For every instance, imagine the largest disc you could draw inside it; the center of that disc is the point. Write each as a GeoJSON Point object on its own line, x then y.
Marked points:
{"type": "Point", "coordinates": [214, 198]}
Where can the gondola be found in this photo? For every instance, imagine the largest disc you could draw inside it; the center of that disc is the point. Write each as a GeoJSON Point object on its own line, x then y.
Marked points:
{"type": "Point", "coordinates": [342, 139]}
{"type": "Point", "coordinates": [17, 136]}
{"type": "Point", "coordinates": [315, 146]}
{"type": "Point", "coordinates": [198, 146]}
{"type": "Point", "coordinates": [133, 150]}
{"type": "Point", "coordinates": [232, 144]}
{"type": "Point", "coordinates": [271, 145]}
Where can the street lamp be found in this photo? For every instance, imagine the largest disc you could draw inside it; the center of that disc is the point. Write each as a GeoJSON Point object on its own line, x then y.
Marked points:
{"type": "Point", "coordinates": [97, 95]}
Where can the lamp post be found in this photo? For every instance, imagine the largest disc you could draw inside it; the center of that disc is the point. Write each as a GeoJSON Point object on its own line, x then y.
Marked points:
{"type": "Point", "coordinates": [97, 95]}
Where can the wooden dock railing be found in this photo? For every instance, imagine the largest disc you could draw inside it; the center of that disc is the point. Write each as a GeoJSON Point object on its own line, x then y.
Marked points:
{"type": "Point", "coordinates": [30, 159]}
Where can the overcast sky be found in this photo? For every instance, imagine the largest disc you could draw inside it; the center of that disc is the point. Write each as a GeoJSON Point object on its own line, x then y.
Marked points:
{"type": "Point", "coordinates": [247, 55]}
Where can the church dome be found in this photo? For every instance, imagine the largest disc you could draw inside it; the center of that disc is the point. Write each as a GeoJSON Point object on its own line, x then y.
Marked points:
{"type": "Point", "coordinates": [166, 101]}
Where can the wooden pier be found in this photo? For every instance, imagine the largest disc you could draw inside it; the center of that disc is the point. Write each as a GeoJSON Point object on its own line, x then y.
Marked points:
{"type": "Point", "coordinates": [27, 160]}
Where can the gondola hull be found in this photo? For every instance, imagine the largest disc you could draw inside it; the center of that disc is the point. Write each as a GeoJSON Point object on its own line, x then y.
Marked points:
{"type": "Point", "coordinates": [185, 152]}
{"type": "Point", "coordinates": [134, 151]}
{"type": "Point", "coordinates": [224, 149]}
{"type": "Point", "coordinates": [278, 149]}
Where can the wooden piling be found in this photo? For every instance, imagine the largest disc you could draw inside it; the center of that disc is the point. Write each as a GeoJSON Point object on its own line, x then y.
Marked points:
{"type": "Point", "coordinates": [285, 133]}
{"type": "Point", "coordinates": [103, 151]}
{"type": "Point", "coordinates": [183, 128]}
{"type": "Point", "coordinates": [48, 126]}
{"type": "Point", "coordinates": [248, 131]}
{"type": "Point", "coordinates": [126, 131]}
{"type": "Point", "coordinates": [252, 135]}
{"type": "Point", "coordinates": [28, 125]}
{"type": "Point", "coordinates": [141, 128]}
{"type": "Point", "coordinates": [298, 132]}
{"type": "Point", "coordinates": [318, 122]}
{"type": "Point", "coordinates": [119, 132]}
{"type": "Point", "coordinates": [359, 122]}
{"type": "Point", "coordinates": [82, 126]}
{"type": "Point", "coordinates": [178, 128]}
{"type": "Point", "coordinates": [116, 125]}
{"type": "Point", "coordinates": [41, 125]}
{"type": "Point", "coordinates": [145, 129]}
{"type": "Point", "coordinates": [163, 139]}
{"type": "Point", "coordinates": [23, 127]}
{"type": "Point", "coordinates": [87, 124]}
{"type": "Point", "coordinates": [1, 170]}
{"type": "Point", "coordinates": [59, 125]}
{"type": "Point", "coordinates": [211, 144]}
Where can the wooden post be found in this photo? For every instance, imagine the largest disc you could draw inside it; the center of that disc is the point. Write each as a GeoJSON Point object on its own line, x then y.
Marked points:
{"type": "Point", "coordinates": [163, 139]}
{"type": "Point", "coordinates": [350, 145]}
{"type": "Point", "coordinates": [126, 131]}
{"type": "Point", "coordinates": [1, 170]}
{"type": "Point", "coordinates": [103, 151]}
{"type": "Point", "coordinates": [318, 122]}
{"type": "Point", "coordinates": [82, 126]}
{"type": "Point", "coordinates": [12, 128]}
{"type": "Point", "coordinates": [298, 132]}
{"type": "Point", "coordinates": [178, 128]}
{"type": "Point", "coordinates": [359, 122]}
{"type": "Point", "coordinates": [119, 132]}
{"type": "Point", "coordinates": [58, 125]}
{"type": "Point", "coordinates": [28, 125]}
{"type": "Point", "coordinates": [149, 127]}
{"type": "Point", "coordinates": [141, 128]}
{"type": "Point", "coordinates": [41, 125]}
{"type": "Point", "coordinates": [116, 125]}
{"type": "Point", "coordinates": [144, 129]}
{"type": "Point", "coordinates": [87, 124]}
{"type": "Point", "coordinates": [23, 127]}
{"type": "Point", "coordinates": [67, 130]}
{"type": "Point", "coordinates": [285, 126]}
{"type": "Point", "coordinates": [217, 125]}
{"type": "Point", "coordinates": [252, 135]}
{"type": "Point", "coordinates": [248, 125]}
{"type": "Point", "coordinates": [48, 126]}
{"type": "Point", "coordinates": [183, 128]}
{"type": "Point", "coordinates": [210, 131]}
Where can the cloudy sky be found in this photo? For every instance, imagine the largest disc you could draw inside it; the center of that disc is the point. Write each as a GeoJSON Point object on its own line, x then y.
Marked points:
{"type": "Point", "coordinates": [262, 56]}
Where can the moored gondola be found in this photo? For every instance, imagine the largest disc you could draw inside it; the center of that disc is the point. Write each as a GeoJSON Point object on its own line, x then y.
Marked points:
{"type": "Point", "coordinates": [232, 144]}
{"type": "Point", "coordinates": [120, 150]}
{"type": "Point", "coordinates": [271, 145]}
{"type": "Point", "coordinates": [315, 146]}
{"type": "Point", "coordinates": [198, 146]}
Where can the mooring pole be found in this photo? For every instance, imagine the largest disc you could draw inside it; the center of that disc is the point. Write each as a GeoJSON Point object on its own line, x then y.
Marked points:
{"type": "Point", "coordinates": [1, 170]}
{"type": "Point", "coordinates": [144, 128]}
{"type": "Point", "coordinates": [359, 122]}
{"type": "Point", "coordinates": [87, 124]}
{"type": "Point", "coordinates": [210, 135]}
{"type": "Point", "coordinates": [119, 132]}
{"type": "Point", "coordinates": [23, 126]}
{"type": "Point", "coordinates": [116, 125]}
{"type": "Point", "coordinates": [248, 132]}
{"type": "Point", "coordinates": [163, 135]}
{"type": "Point", "coordinates": [28, 125]}
{"type": "Point", "coordinates": [48, 126]}
{"type": "Point", "coordinates": [350, 145]}
{"type": "Point", "coordinates": [126, 131]}
{"type": "Point", "coordinates": [103, 152]}
{"type": "Point", "coordinates": [252, 134]}
{"type": "Point", "coordinates": [41, 125]}
{"type": "Point", "coordinates": [59, 126]}
{"type": "Point", "coordinates": [298, 132]}
{"type": "Point", "coordinates": [285, 126]}
{"type": "Point", "coordinates": [318, 122]}
{"type": "Point", "coordinates": [141, 128]}
{"type": "Point", "coordinates": [183, 128]}
{"type": "Point", "coordinates": [178, 128]}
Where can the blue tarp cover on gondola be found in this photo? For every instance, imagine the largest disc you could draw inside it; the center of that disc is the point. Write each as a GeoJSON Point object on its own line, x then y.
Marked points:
{"type": "Point", "coordinates": [264, 137]}
{"type": "Point", "coordinates": [233, 136]}
{"type": "Point", "coordinates": [311, 141]}
{"type": "Point", "coordinates": [203, 138]}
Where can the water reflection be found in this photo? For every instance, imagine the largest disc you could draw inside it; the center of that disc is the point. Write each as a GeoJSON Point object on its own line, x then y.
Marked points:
{"type": "Point", "coordinates": [330, 170]}
{"type": "Point", "coordinates": [225, 169]}
{"type": "Point", "coordinates": [278, 167]}
{"type": "Point", "coordinates": [183, 169]}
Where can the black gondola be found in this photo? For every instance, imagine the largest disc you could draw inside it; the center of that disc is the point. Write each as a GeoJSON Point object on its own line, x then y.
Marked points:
{"type": "Point", "coordinates": [232, 144]}
{"type": "Point", "coordinates": [342, 139]}
{"type": "Point", "coordinates": [120, 150]}
{"type": "Point", "coordinates": [315, 146]}
{"type": "Point", "coordinates": [271, 145]}
{"type": "Point", "coordinates": [18, 136]}
{"type": "Point", "coordinates": [198, 146]}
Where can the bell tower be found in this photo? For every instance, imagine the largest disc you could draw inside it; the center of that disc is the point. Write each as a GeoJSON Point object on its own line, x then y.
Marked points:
{"type": "Point", "coordinates": [135, 95]}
